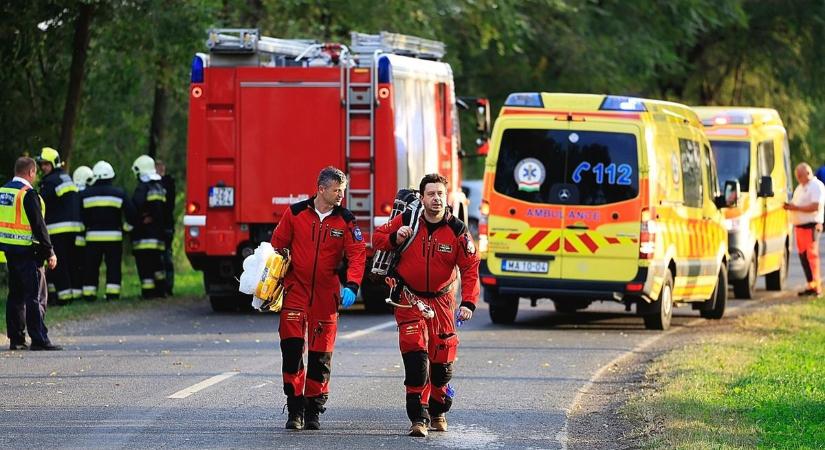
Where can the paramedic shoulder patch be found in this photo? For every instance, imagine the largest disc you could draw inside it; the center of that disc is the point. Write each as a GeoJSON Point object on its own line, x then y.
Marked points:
{"type": "Point", "coordinates": [445, 248]}
{"type": "Point", "coordinates": [336, 233]}
{"type": "Point", "coordinates": [467, 242]}
{"type": "Point", "coordinates": [356, 234]}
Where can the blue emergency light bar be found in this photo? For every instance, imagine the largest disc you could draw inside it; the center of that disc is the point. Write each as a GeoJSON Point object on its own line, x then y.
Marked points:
{"type": "Point", "coordinates": [621, 103]}
{"type": "Point", "coordinates": [197, 70]}
{"type": "Point", "coordinates": [524, 99]}
{"type": "Point", "coordinates": [729, 118]}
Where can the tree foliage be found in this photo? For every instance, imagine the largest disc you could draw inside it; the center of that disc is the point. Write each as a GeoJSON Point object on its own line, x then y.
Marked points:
{"type": "Point", "coordinates": [720, 52]}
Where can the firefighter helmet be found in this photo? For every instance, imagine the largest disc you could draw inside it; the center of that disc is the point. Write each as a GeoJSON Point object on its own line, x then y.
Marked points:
{"type": "Point", "coordinates": [83, 176]}
{"type": "Point", "coordinates": [144, 165]}
{"type": "Point", "coordinates": [49, 155]}
{"type": "Point", "coordinates": [103, 171]}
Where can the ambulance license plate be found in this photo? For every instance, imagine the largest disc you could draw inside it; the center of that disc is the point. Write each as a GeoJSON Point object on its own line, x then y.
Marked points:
{"type": "Point", "coordinates": [221, 197]}
{"type": "Point", "coordinates": [517, 265]}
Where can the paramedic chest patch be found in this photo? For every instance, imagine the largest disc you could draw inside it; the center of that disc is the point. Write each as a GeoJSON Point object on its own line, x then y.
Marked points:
{"type": "Point", "coordinates": [336, 233]}
{"type": "Point", "coordinates": [445, 248]}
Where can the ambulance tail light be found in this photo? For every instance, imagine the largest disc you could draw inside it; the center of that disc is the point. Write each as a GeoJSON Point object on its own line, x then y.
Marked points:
{"type": "Point", "coordinates": [489, 281]}
{"type": "Point", "coordinates": [484, 209]}
{"type": "Point", "coordinates": [482, 236]}
{"type": "Point", "coordinates": [647, 236]}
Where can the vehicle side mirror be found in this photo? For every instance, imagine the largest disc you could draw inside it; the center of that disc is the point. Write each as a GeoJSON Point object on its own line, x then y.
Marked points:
{"type": "Point", "coordinates": [730, 197]}
{"type": "Point", "coordinates": [765, 187]}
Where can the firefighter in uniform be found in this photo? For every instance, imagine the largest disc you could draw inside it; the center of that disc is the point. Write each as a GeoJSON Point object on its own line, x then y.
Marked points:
{"type": "Point", "coordinates": [427, 269]}
{"type": "Point", "coordinates": [807, 210]}
{"type": "Point", "coordinates": [168, 182]}
{"type": "Point", "coordinates": [104, 209]}
{"type": "Point", "coordinates": [63, 222]}
{"type": "Point", "coordinates": [82, 177]}
{"type": "Point", "coordinates": [149, 201]}
{"type": "Point", "coordinates": [24, 239]}
{"type": "Point", "coordinates": [319, 233]}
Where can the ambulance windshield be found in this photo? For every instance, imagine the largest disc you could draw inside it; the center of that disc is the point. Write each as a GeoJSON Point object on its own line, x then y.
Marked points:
{"type": "Point", "coordinates": [733, 162]}
{"type": "Point", "coordinates": [567, 167]}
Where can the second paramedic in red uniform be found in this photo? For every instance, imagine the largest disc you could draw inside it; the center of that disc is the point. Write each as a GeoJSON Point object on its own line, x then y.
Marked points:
{"type": "Point", "coordinates": [319, 233]}
{"type": "Point", "coordinates": [428, 268]}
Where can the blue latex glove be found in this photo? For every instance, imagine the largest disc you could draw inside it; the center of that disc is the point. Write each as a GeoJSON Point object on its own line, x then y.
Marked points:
{"type": "Point", "coordinates": [347, 297]}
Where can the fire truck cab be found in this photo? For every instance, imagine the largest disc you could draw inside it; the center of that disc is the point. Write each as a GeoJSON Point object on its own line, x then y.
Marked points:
{"type": "Point", "coordinates": [266, 115]}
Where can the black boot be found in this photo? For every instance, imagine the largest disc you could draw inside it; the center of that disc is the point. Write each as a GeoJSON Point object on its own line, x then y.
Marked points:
{"type": "Point", "coordinates": [295, 405]}
{"type": "Point", "coordinates": [313, 407]}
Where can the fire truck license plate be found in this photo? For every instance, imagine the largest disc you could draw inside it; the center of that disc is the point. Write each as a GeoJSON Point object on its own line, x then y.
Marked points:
{"type": "Point", "coordinates": [515, 265]}
{"type": "Point", "coordinates": [221, 197]}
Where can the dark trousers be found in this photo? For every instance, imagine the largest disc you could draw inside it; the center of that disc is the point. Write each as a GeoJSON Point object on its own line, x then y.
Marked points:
{"type": "Point", "coordinates": [26, 305]}
{"type": "Point", "coordinates": [168, 265]}
{"type": "Point", "coordinates": [61, 276]}
{"type": "Point", "coordinates": [76, 271]}
{"type": "Point", "coordinates": [151, 273]}
{"type": "Point", "coordinates": [112, 254]}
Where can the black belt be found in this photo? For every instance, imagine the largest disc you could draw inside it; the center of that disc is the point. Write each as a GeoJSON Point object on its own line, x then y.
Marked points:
{"type": "Point", "coordinates": [429, 295]}
{"type": "Point", "coordinates": [807, 225]}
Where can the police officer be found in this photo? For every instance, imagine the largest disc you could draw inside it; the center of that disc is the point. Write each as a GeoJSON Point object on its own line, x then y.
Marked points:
{"type": "Point", "coordinates": [149, 201]}
{"type": "Point", "coordinates": [427, 269]}
{"type": "Point", "coordinates": [168, 182]}
{"type": "Point", "coordinates": [25, 240]}
{"type": "Point", "coordinates": [104, 209]}
{"type": "Point", "coordinates": [319, 233]}
{"type": "Point", "coordinates": [63, 222]}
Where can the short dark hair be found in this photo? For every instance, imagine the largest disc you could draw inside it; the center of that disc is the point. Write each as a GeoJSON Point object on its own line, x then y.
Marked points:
{"type": "Point", "coordinates": [23, 165]}
{"type": "Point", "coordinates": [331, 174]}
{"type": "Point", "coordinates": [431, 178]}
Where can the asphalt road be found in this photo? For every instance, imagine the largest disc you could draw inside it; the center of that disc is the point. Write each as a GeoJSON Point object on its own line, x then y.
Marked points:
{"type": "Point", "coordinates": [111, 388]}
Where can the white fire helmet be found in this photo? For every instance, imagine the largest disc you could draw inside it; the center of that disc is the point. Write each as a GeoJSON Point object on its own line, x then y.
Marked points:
{"type": "Point", "coordinates": [144, 168]}
{"type": "Point", "coordinates": [83, 176]}
{"type": "Point", "coordinates": [103, 171]}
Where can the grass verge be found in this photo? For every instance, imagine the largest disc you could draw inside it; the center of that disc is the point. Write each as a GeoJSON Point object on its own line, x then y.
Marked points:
{"type": "Point", "coordinates": [188, 283]}
{"type": "Point", "coordinates": [757, 384]}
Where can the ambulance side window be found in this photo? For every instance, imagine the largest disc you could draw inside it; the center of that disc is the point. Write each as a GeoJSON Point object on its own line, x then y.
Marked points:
{"type": "Point", "coordinates": [764, 159]}
{"type": "Point", "coordinates": [691, 172]}
{"type": "Point", "coordinates": [710, 168]}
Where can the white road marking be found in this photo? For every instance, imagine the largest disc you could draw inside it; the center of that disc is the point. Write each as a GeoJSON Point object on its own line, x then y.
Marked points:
{"type": "Point", "coordinates": [183, 393]}
{"type": "Point", "coordinates": [366, 331]}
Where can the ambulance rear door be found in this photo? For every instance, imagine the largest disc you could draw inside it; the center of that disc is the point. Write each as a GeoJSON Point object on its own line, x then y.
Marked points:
{"type": "Point", "coordinates": [600, 190]}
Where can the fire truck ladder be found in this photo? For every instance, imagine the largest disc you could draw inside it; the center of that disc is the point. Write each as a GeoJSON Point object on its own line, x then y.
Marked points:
{"type": "Point", "coordinates": [360, 103]}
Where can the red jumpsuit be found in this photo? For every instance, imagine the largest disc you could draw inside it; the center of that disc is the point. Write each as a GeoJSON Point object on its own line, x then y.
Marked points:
{"type": "Point", "coordinates": [312, 294]}
{"type": "Point", "coordinates": [428, 268]}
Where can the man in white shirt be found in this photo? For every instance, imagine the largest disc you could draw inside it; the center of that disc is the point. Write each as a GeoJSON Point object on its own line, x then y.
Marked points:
{"type": "Point", "coordinates": [807, 210]}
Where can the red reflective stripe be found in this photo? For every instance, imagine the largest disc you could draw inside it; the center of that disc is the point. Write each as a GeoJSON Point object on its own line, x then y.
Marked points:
{"type": "Point", "coordinates": [587, 241]}
{"type": "Point", "coordinates": [534, 241]}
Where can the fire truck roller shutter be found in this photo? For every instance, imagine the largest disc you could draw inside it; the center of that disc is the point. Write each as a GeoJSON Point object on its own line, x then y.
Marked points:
{"type": "Point", "coordinates": [415, 114]}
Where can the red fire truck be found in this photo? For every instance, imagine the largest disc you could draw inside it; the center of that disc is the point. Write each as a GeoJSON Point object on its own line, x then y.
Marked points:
{"type": "Point", "coordinates": [266, 115]}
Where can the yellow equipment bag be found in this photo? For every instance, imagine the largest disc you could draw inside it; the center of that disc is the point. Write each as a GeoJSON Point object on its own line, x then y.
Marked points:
{"type": "Point", "coordinates": [271, 287]}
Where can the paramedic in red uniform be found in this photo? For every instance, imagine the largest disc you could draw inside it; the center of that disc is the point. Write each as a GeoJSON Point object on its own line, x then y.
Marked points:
{"type": "Point", "coordinates": [428, 268]}
{"type": "Point", "coordinates": [319, 233]}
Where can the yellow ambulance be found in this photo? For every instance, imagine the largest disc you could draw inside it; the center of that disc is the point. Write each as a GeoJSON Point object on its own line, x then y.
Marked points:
{"type": "Point", "coordinates": [598, 197]}
{"type": "Point", "coordinates": [751, 146]}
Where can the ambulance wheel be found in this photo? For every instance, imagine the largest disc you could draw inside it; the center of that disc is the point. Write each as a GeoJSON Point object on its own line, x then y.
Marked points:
{"type": "Point", "coordinates": [660, 312]}
{"type": "Point", "coordinates": [503, 308]}
{"type": "Point", "coordinates": [775, 281]}
{"type": "Point", "coordinates": [374, 295]}
{"type": "Point", "coordinates": [714, 307]}
{"type": "Point", "coordinates": [746, 287]}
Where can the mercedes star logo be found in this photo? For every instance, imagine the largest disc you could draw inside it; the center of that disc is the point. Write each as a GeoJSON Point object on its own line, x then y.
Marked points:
{"type": "Point", "coordinates": [564, 194]}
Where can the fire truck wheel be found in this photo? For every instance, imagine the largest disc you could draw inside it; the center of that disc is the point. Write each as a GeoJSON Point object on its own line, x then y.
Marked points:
{"type": "Point", "coordinates": [658, 314]}
{"type": "Point", "coordinates": [374, 295]}
{"type": "Point", "coordinates": [224, 303]}
{"type": "Point", "coordinates": [714, 307]}
{"type": "Point", "coordinates": [775, 281]}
